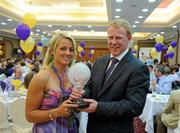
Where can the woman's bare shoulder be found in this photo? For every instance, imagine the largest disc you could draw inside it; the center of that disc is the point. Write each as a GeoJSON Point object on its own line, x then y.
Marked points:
{"type": "Point", "coordinates": [44, 74]}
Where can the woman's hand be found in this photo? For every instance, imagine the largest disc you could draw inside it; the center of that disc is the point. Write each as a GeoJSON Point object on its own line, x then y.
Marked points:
{"type": "Point", "coordinates": [76, 94]}
{"type": "Point", "coordinates": [64, 109]}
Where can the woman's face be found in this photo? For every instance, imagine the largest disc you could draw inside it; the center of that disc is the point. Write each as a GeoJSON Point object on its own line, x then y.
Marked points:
{"type": "Point", "coordinates": [64, 52]}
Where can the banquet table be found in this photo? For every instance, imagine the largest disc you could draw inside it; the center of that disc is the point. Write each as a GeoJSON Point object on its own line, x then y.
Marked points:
{"type": "Point", "coordinates": [154, 105]}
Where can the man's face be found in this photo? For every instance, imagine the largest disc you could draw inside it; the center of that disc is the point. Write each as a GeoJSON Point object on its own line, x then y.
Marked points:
{"type": "Point", "coordinates": [118, 40]}
{"type": "Point", "coordinates": [18, 73]}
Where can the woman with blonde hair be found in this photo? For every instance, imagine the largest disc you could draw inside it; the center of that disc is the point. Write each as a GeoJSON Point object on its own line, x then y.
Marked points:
{"type": "Point", "coordinates": [48, 105]}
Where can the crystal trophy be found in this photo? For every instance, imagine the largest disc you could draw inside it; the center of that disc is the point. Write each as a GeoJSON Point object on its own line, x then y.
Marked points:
{"type": "Point", "coordinates": [79, 75]}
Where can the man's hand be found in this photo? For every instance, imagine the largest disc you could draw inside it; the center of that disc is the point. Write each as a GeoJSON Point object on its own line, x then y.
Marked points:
{"type": "Point", "coordinates": [92, 106]}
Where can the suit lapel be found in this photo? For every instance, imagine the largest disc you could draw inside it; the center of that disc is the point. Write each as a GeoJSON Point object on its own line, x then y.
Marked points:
{"type": "Point", "coordinates": [103, 70]}
{"type": "Point", "coordinates": [116, 73]}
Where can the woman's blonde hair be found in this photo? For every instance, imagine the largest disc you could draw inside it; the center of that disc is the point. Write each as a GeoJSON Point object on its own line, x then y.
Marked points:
{"type": "Point", "coordinates": [58, 36]}
{"type": "Point", "coordinates": [122, 23]}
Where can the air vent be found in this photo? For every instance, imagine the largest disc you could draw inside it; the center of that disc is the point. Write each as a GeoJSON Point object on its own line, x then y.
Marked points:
{"type": "Point", "coordinates": [133, 6]}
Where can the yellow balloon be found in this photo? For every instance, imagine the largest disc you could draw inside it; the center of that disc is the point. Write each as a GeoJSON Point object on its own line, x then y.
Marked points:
{"type": "Point", "coordinates": [154, 53]}
{"type": "Point", "coordinates": [39, 48]}
{"type": "Point", "coordinates": [170, 49]}
{"type": "Point", "coordinates": [135, 47]}
{"type": "Point", "coordinates": [159, 39]}
{"type": "Point", "coordinates": [30, 20]}
{"type": "Point", "coordinates": [79, 49]}
{"type": "Point", "coordinates": [27, 45]}
{"type": "Point", "coordinates": [16, 83]}
{"type": "Point", "coordinates": [1, 52]}
{"type": "Point", "coordinates": [92, 51]}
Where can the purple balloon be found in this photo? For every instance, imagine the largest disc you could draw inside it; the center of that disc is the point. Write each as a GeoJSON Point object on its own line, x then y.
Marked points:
{"type": "Point", "coordinates": [23, 31]}
{"type": "Point", "coordinates": [82, 44]}
{"type": "Point", "coordinates": [83, 53]}
{"type": "Point", "coordinates": [40, 44]}
{"type": "Point", "coordinates": [173, 44]}
{"type": "Point", "coordinates": [37, 52]}
{"type": "Point", "coordinates": [171, 55]}
{"type": "Point", "coordinates": [20, 54]}
{"type": "Point", "coordinates": [90, 54]}
{"type": "Point", "coordinates": [166, 56]}
{"type": "Point", "coordinates": [91, 47]}
{"type": "Point", "coordinates": [165, 48]}
{"type": "Point", "coordinates": [159, 47]}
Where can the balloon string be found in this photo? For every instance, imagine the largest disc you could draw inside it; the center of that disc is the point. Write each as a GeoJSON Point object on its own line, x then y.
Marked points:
{"type": "Point", "coordinates": [30, 3]}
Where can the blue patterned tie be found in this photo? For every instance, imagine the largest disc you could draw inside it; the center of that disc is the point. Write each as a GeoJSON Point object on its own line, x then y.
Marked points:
{"type": "Point", "coordinates": [109, 71]}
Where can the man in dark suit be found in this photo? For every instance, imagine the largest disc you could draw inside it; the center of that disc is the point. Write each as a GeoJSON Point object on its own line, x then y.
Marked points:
{"type": "Point", "coordinates": [117, 97]}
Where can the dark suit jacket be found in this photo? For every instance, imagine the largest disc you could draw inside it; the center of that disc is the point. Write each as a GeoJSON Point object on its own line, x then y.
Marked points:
{"type": "Point", "coordinates": [121, 98]}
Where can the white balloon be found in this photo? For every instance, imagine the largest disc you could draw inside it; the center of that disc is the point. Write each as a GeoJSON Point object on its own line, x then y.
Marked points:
{"type": "Point", "coordinates": [79, 75]}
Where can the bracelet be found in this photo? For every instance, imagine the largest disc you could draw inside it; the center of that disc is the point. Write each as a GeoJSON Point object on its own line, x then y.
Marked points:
{"type": "Point", "coordinates": [51, 116]}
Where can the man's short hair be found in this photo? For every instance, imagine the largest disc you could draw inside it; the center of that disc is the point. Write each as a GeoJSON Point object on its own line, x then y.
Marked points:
{"type": "Point", "coordinates": [161, 69]}
{"type": "Point", "coordinates": [122, 23]}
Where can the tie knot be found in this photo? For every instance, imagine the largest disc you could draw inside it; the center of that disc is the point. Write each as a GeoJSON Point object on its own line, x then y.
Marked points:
{"type": "Point", "coordinates": [114, 60]}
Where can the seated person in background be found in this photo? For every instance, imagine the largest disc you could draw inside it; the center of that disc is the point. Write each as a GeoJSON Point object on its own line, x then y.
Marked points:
{"type": "Point", "coordinates": [18, 76]}
{"type": "Point", "coordinates": [27, 80]}
{"type": "Point", "coordinates": [170, 116]}
{"type": "Point", "coordinates": [162, 84]}
{"type": "Point", "coordinates": [152, 75]}
{"type": "Point", "coordinates": [24, 67]}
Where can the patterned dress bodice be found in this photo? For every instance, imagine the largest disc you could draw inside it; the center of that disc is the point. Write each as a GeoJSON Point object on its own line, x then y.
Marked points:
{"type": "Point", "coordinates": [52, 99]}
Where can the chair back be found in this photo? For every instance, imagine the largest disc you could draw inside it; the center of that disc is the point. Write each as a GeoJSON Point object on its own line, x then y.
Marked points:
{"type": "Point", "coordinates": [4, 115]}
{"type": "Point", "coordinates": [17, 112]}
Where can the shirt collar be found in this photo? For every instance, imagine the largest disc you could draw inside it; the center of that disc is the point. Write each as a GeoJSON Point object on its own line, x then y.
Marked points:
{"type": "Point", "coordinates": [119, 57]}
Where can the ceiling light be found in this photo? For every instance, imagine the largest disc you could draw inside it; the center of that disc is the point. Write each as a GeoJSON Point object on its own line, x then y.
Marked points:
{"type": "Point", "coordinates": [44, 32]}
{"type": "Point", "coordinates": [3, 23]}
{"type": "Point", "coordinates": [174, 26]}
{"type": "Point", "coordinates": [137, 22]}
{"type": "Point", "coordinates": [118, 10]}
{"type": "Point", "coordinates": [31, 32]}
{"type": "Point", "coordinates": [151, 38]}
{"type": "Point", "coordinates": [145, 10]}
{"type": "Point", "coordinates": [49, 34]}
{"type": "Point", "coordinates": [162, 33]}
{"type": "Point", "coordinates": [49, 25]}
{"type": "Point", "coordinates": [89, 26]}
{"type": "Point", "coordinates": [58, 30]}
{"type": "Point", "coordinates": [9, 19]}
{"type": "Point", "coordinates": [140, 17]}
{"type": "Point", "coordinates": [158, 35]}
{"type": "Point", "coordinates": [151, 1]}
{"type": "Point", "coordinates": [69, 26]}
{"type": "Point", "coordinates": [119, 0]}
{"type": "Point", "coordinates": [117, 16]}
{"type": "Point", "coordinates": [38, 30]}
{"type": "Point", "coordinates": [133, 25]}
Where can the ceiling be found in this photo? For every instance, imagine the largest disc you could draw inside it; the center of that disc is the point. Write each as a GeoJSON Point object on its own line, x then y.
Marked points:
{"type": "Point", "coordinates": [89, 18]}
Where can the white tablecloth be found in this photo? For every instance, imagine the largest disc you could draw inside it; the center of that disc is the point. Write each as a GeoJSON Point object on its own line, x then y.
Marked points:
{"type": "Point", "coordinates": [153, 106]}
